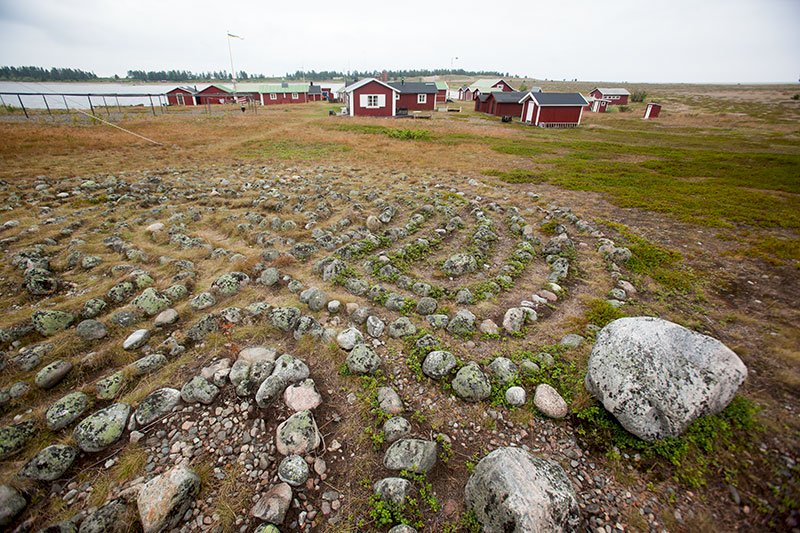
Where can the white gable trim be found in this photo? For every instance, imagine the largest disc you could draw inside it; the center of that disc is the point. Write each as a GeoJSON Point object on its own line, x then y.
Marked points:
{"type": "Point", "coordinates": [357, 85]}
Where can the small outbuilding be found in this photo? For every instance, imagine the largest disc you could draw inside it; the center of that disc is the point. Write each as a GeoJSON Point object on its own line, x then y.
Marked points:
{"type": "Point", "coordinates": [614, 95]}
{"type": "Point", "coordinates": [596, 105]}
{"type": "Point", "coordinates": [370, 98]}
{"type": "Point", "coordinates": [182, 96]}
{"type": "Point", "coordinates": [484, 86]}
{"type": "Point", "coordinates": [652, 110]}
{"type": "Point", "coordinates": [553, 110]}
{"type": "Point", "coordinates": [504, 103]}
{"type": "Point", "coordinates": [442, 91]}
{"type": "Point", "coordinates": [414, 96]}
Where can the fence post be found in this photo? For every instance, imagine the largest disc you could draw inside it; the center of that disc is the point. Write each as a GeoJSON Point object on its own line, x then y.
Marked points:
{"type": "Point", "coordinates": [105, 104]}
{"type": "Point", "coordinates": [90, 104]}
{"type": "Point", "coordinates": [47, 106]}
{"type": "Point", "coordinates": [3, 102]}
{"type": "Point", "coordinates": [118, 107]}
{"type": "Point", "coordinates": [23, 106]}
{"type": "Point", "coordinates": [153, 109]}
{"type": "Point", "coordinates": [65, 102]}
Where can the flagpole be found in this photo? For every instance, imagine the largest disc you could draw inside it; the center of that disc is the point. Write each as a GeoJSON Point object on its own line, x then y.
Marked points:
{"type": "Point", "coordinates": [233, 71]}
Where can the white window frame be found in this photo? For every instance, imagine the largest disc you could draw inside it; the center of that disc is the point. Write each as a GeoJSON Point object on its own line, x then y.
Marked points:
{"type": "Point", "coordinates": [397, 96]}
{"type": "Point", "coordinates": [179, 99]}
{"type": "Point", "coordinates": [273, 96]}
{"type": "Point", "coordinates": [295, 96]}
{"type": "Point", "coordinates": [372, 101]}
{"type": "Point", "coordinates": [422, 98]}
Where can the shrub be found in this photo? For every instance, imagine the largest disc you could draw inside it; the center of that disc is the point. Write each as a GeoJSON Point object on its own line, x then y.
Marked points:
{"type": "Point", "coordinates": [796, 96]}
{"type": "Point", "coordinates": [623, 108]}
{"type": "Point", "coordinates": [409, 135]}
{"type": "Point", "coordinates": [638, 96]}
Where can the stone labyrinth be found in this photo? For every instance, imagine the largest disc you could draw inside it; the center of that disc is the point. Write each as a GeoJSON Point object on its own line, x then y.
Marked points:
{"type": "Point", "coordinates": [171, 337]}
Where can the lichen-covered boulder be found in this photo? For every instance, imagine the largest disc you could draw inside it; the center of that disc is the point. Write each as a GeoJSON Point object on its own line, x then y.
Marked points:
{"type": "Point", "coordinates": [66, 410]}
{"type": "Point", "coordinates": [510, 490]}
{"type": "Point", "coordinates": [151, 302]}
{"type": "Point", "coordinates": [298, 434]}
{"type": "Point", "coordinates": [438, 364]}
{"type": "Point", "coordinates": [230, 283]}
{"type": "Point", "coordinates": [471, 383]}
{"type": "Point", "coordinates": [50, 463]}
{"type": "Point", "coordinates": [462, 324]}
{"type": "Point", "coordinates": [363, 360]}
{"type": "Point", "coordinates": [158, 404]}
{"type": "Point", "coordinates": [460, 264]}
{"type": "Point", "coordinates": [656, 377]}
{"type": "Point", "coordinates": [199, 389]}
{"type": "Point", "coordinates": [103, 428]}
{"type": "Point", "coordinates": [91, 330]}
{"type": "Point", "coordinates": [14, 437]}
{"type": "Point", "coordinates": [414, 455]}
{"type": "Point", "coordinates": [51, 322]}
{"type": "Point", "coordinates": [49, 376]}
{"type": "Point", "coordinates": [164, 499]}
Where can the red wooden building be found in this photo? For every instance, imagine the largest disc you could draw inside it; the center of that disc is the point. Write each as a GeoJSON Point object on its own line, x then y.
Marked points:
{"type": "Point", "coordinates": [480, 103]}
{"type": "Point", "coordinates": [215, 94]}
{"type": "Point", "coordinates": [614, 95]}
{"type": "Point", "coordinates": [596, 106]}
{"type": "Point", "coordinates": [370, 98]}
{"type": "Point", "coordinates": [483, 86]}
{"type": "Point", "coordinates": [414, 96]}
{"type": "Point", "coordinates": [652, 110]}
{"type": "Point", "coordinates": [504, 103]}
{"type": "Point", "coordinates": [553, 110]}
{"type": "Point", "coordinates": [182, 96]}
{"type": "Point", "coordinates": [283, 93]}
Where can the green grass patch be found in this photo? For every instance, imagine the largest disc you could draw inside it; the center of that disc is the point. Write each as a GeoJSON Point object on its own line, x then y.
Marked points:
{"type": "Point", "coordinates": [775, 250]}
{"type": "Point", "coordinates": [292, 150]}
{"type": "Point", "coordinates": [600, 312]}
{"type": "Point", "coordinates": [696, 178]}
{"type": "Point", "coordinates": [710, 446]}
{"type": "Point", "coordinates": [394, 133]}
{"type": "Point", "coordinates": [664, 266]}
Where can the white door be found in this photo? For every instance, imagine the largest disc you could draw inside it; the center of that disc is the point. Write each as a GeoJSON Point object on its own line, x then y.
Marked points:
{"type": "Point", "coordinates": [647, 113]}
{"type": "Point", "coordinates": [529, 115]}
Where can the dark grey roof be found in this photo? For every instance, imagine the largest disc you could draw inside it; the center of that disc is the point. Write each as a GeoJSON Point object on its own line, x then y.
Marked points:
{"type": "Point", "coordinates": [314, 89]}
{"type": "Point", "coordinates": [414, 87]}
{"type": "Point", "coordinates": [508, 97]}
{"type": "Point", "coordinates": [560, 99]}
{"type": "Point", "coordinates": [483, 97]}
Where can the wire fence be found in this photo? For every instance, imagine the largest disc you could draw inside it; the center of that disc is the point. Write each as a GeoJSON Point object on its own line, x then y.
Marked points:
{"type": "Point", "coordinates": [113, 106]}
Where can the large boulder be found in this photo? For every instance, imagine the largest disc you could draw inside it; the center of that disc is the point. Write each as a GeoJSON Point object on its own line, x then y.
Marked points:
{"type": "Point", "coordinates": [273, 505]}
{"type": "Point", "coordinates": [414, 455]}
{"type": "Point", "coordinates": [158, 404]}
{"type": "Point", "coordinates": [109, 518]}
{"type": "Point", "coordinates": [66, 410]}
{"type": "Point", "coordinates": [51, 322]}
{"type": "Point", "coordinates": [298, 434]}
{"type": "Point", "coordinates": [13, 438]}
{"type": "Point", "coordinates": [471, 383]}
{"type": "Point", "coordinates": [460, 264]}
{"type": "Point", "coordinates": [103, 428]}
{"type": "Point", "coordinates": [50, 463]}
{"type": "Point", "coordinates": [510, 490]}
{"type": "Point", "coordinates": [164, 499]}
{"type": "Point", "coordinates": [11, 504]}
{"type": "Point", "coordinates": [656, 377]}
{"type": "Point", "coordinates": [363, 360]}
{"type": "Point", "coordinates": [151, 302]}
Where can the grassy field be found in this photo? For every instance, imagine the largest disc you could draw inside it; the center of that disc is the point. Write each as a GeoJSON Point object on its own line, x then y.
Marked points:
{"type": "Point", "coordinates": [707, 198]}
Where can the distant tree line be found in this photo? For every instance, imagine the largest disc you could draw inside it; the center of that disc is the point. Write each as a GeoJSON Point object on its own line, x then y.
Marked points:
{"type": "Point", "coordinates": [186, 75]}
{"type": "Point", "coordinates": [394, 74]}
{"type": "Point", "coordinates": [43, 74]}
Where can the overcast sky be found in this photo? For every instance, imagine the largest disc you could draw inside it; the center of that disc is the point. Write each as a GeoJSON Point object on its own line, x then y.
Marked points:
{"type": "Point", "coordinates": [629, 40]}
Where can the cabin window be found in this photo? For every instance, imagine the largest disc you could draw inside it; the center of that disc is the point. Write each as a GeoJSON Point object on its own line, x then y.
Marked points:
{"type": "Point", "coordinates": [372, 100]}
{"type": "Point", "coordinates": [294, 96]}
{"type": "Point", "coordinates": [273, 96]}
{"type": "Point", "coordinates": [397, 96]}
{"type": "Point", "coordinates": [422, 98]}
{"type": "Point", "coordinates": [180, 99]}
